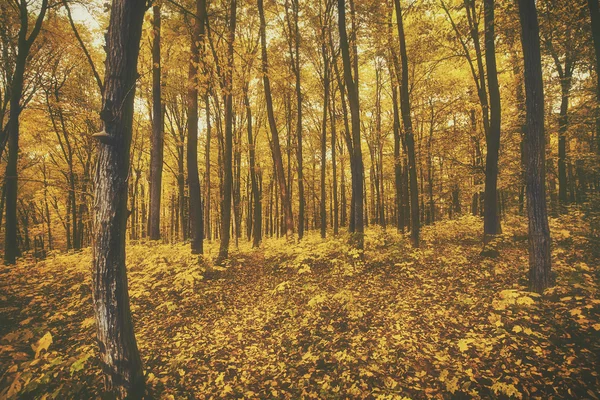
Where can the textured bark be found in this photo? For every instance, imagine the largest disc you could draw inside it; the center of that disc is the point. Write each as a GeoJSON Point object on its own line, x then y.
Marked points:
{"type": "Point", "coordinates": [335, 208]}
{"type": "Point", "coordinates": [207, 199]}
{"type": "Point", "coordinates": [156, 152]}
{"type": "Point", "coordinates": [195, 205]}
{"type": "Point", "coordinates": [595, 20]}
{"type": "Point", "coordinates": [24, 43]}
{"type": "Point", "coordinates": [408, 131]}
{"type": "Point", "coordinates": [254, 171]}
{"type": "Point", "coordinates": [275, 147]}
{"type": "Point", "coordinates": [539, 232]}
{"type": "Point", "coordinates": [491, 219]}
{"type": "Point", "coordinates": [118, 349]}
{"type": "Point", "coordinates": [357, 167]}
{"type": "Point", "coordinates": [228, 149]}
{"type": "Point", "coordinates": [326, 85]}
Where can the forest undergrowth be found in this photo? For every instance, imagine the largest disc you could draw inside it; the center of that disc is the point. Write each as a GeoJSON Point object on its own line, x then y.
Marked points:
{"type": "Point", "coordinates": [317, 320]}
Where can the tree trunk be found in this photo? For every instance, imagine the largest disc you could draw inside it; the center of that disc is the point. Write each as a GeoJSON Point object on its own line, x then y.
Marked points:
{"type": "Point", "coordinates": [408, 131]}
{"type": "Point", "coordinates": [563, 123]}
{"type": "Point", "coordinates": [257, 206]}
{"type": "Point", "coordinates": [228, 150]}
{"type": "Point", "coordinates": [335, 210]}
{"type": "Point", "coordinates": [491, 219]}
{"type": "Point", "coordinates": [275, 147]}
{"type": "Point", "coordinates": [156, 152]}
{"type": "Point", "coordinates": [539, 232]}
{"type": "Point", "coordinates": [195, 204]}
{"type": "Point", "coordinates": [595, 19]}
{"type": "Point", "coordinates": [118, 349]}
{"type": "Point", "coordinates": [323, 199]}
{"type": "Point", "coordinates": [12, 129]}
{"type": "Point", "coordinates": [207, 199]}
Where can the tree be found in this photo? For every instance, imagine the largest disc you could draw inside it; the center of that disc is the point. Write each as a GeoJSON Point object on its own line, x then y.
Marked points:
{"type": "Point", "coordinates": [11, 131]}
{"type": "Point", "coordinates": [595, 22]}
{"type": "Point", "coordinates": [156, 152]}
{"type": "Point", "coordinates": [357, 167]}
{"type": "Point", "coordinates": [196, 223]}
{"type": "Point", "coordinates": [408, 130]}
{"type": "Point", "coordinates": [275, 147]}
{"type": "Point", "coordinates": [228, 148]}
{"type": "Point", "coordinates": [118, 348]}
{"type": "Point", "coordinates": [539, 231]}
{"type": "Point", "coordinates": [491, 221]}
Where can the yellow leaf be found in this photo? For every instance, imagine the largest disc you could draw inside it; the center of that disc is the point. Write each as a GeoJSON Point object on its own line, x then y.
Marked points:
{"type": "Point", "coordinates": [517, 328]}
{"type": "Point", "coordinates": [596, 327]}
{"type": "Point", "coordinates": [463, 345]}
{"type": "Point", "coordinates": [42, 344]}
{"type": "Point", "coordinates": [526, 301]}
{"type": "Point", "coordinates": [86, 323]}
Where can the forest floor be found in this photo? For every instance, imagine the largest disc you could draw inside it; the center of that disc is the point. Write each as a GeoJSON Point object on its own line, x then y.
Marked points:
{"type": "Point", "coordinates": [312, 320]}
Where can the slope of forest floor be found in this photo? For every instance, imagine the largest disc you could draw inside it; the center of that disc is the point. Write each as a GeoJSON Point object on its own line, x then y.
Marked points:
{"type": "Point", "coordinates": [312, 320]}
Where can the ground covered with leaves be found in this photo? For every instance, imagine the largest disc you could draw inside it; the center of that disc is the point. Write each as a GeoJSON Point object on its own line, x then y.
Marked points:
{"type": "Point", "coordinates": [317, 320]}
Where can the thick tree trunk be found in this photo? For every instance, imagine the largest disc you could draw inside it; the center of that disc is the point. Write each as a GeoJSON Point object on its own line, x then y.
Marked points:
{"type": "Point", "coordinates": [118, 349]}
{"type": "Point", "coordinates": [595, 20]}
{"type": "Point", "coordinates": [491, 219]}
{"type": "Point", "coordinates": [275, 147]}
{"type": "Point", "coordinates": [156, 152]}
{"type": "Point", "coordinates": [195, 204]}
{"type": "Point", "coordinates": [408, 131]}
{"type": "Point", "coordinates": [539, 232]}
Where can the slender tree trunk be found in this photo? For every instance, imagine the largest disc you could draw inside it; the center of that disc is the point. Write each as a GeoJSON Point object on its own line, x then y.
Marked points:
{"type": "Point", "coordinates": [323, 199]}
{"type": "Point", "coordinates": [12, 129]}
{"type": "Point", "coordinates": [491, 219]}
{"type": "Point", "coordinates": [118, 349]}
{"type": "Point", "coordinates": [335, 210]}
{"type": "Point", "coordinates": [254, 171]}
{"type": "Point", "coordinates": [156, 152]}
{"type": "Point", "coordinates": [539, 232]}
{"type": "Point", "coordinates": [228, 150]}
{"type": "Point", "coordinates": [408, 131]}
{"type": "Point", "coordinates": [563, 123]}
{"type": "Point", "coordinates": [207, 199]}
{"type": "Point", "coordinates": [357, 167]}
{"type": "Point", "coordinates": [195, 204]}
{"type": "Point", "coordinates": [275, 147]}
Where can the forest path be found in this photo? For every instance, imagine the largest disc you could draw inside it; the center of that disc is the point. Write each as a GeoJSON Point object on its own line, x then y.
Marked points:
{"type": "Point", "coordinates": [313, 320]}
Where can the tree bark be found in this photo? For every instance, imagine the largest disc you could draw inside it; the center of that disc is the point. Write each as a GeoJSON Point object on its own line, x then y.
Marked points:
{"type": "Point", "coordinates": [275, 147]}
{"type": "Point", "coordinates": [118, 349]}
{"type": "Point", "coordinates": [195, 204]}
{"type": "Point", "coordinates": [595, 22]}
{"type": "Point", "coordinates": [24, 44]}
{"type": "Point", "coordinates": [323, 210]}
{"type": "Point", "coordinates": [156, 152]}
{"type": "Point", "coordinates": [408, 131]}
{"type": "Point", "coordinates": [539, 232]}
{"type": "Point", "coordinates": [357, 167]}
{"type": "Point", "coordinates": [256, 195]}
{"type": "Point", "coordinates": [228, 150]}
{"type": "Point", "coordinates": [491, 219]}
